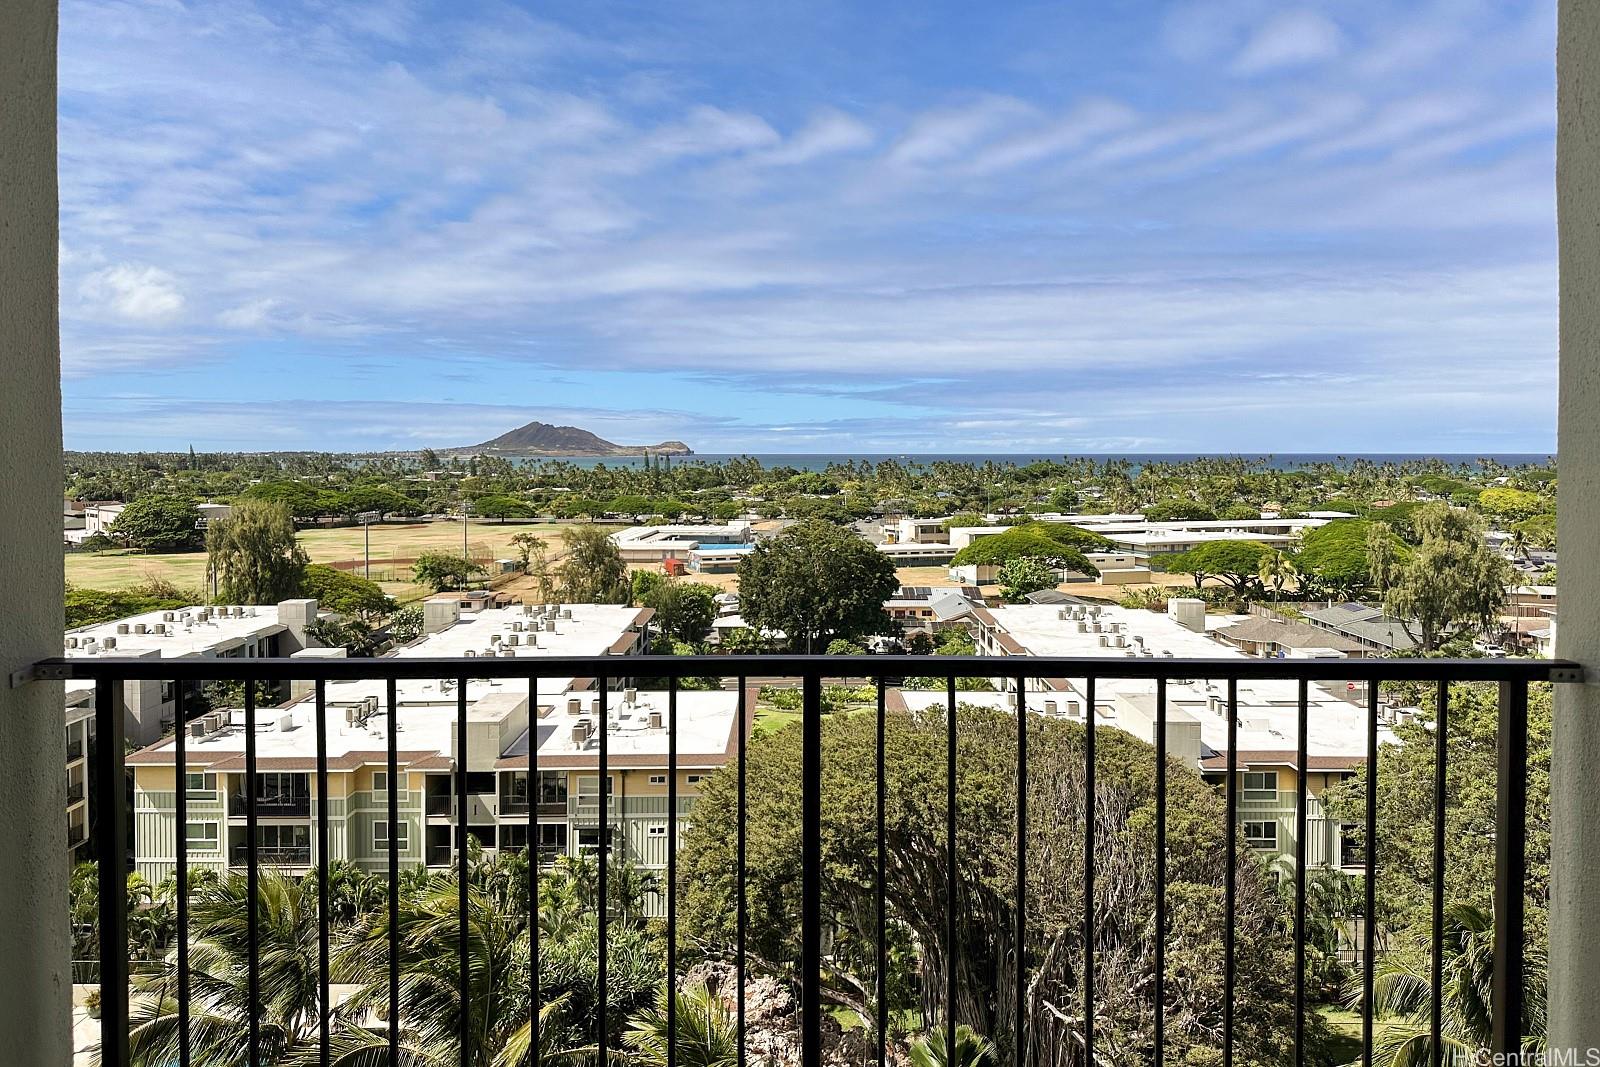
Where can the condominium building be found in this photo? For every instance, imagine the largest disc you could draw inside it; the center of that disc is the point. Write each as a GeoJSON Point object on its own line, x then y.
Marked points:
{"type": "Point", "coordinates": [701, 548]}
{"type": "Point", "coordinates": [507, 723]}
{"type": "Point", "coordinates": [555, 719]}
{"type": "Point", "coordinates": [1266, 733]}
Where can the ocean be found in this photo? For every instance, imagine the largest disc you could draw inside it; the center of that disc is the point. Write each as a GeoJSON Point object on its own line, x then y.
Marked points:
{"type": "Point", "coordinates": [816, 461]}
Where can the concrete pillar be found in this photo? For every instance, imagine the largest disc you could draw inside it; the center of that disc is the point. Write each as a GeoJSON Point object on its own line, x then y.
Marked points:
{"type": "Point", "coordinates": [440, 613]}
{"type": "Point", "coordinates": [297, 615]}
{"type": "Point", "coordinates": [35, 982]}
{"type": "Point", "coordinates": [1575, 750]}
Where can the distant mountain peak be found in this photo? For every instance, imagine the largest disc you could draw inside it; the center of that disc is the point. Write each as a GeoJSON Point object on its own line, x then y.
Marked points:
{"type": "Point", "coordinates": [543, 439]}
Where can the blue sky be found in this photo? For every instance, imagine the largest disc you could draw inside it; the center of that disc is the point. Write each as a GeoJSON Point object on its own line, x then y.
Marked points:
{"type": "Point", "coordinates": [807, 227]}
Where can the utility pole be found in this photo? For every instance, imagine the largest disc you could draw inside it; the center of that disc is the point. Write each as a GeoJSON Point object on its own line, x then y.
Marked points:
{"type": "Point", "coordinates": [367, 519]}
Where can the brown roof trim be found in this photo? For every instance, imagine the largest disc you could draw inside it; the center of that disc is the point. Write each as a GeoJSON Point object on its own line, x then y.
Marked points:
{"type": "Point", "coordinates": [164, 754]}
{"type": "Point", "coordinates": [1283, 758]}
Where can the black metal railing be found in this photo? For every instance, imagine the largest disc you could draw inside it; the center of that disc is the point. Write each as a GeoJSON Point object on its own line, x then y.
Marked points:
{"type": "Point", "coordinates": [1512, 677]}
{"type": "Point", "coordinates": [292, 806]}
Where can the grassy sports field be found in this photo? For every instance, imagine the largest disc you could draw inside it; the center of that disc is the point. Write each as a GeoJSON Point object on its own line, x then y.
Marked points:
{"type": "Point", "coordinates": [120, 570]}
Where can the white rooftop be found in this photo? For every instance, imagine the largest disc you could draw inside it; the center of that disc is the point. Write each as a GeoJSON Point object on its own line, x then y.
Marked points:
{"type": "Point", "coordinates": [706, 721]}
{"type": "Point", "coordinates": [176, 634]}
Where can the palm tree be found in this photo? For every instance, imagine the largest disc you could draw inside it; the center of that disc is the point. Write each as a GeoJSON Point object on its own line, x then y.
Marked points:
{"type": "Point", "coordinates": [1277, 570]}
{"type": "Point", "coordinates": [706, 1033]}
{"type": "Point", "coordinates": [1402, 989]}
{"type": "Point", "coordinates": [971, 1050]}
{"type": "Point", "coordinates": [219, 997]}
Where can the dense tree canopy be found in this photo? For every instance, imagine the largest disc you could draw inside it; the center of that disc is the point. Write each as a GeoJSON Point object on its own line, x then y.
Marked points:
{"type": "Point", "coordinates": [1333, 559]}
{"type": "Point", "coordinates": [158, 524]}
{"type": "Point", "coordinates": [1449, 585]}
{"type": "Point", "coordinates": [918, 894]}
{"type": "Point", "coordinates": [1056, 544]}
{"type": "Point", "coordinates": [592, 572]}
{"type": "Point", "coordinates": [440, 571]}
{"type": "Point", "coordinates": [346, 593]}
{"type": "Point", "coordinates": [255, 555]}
{"type": "Point", "coordinates": [1237, 564]}
{"type": "Point", "coordinates": [815, 582]}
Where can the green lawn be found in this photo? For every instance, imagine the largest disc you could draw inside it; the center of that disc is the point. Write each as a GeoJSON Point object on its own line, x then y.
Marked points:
{"type": "Point", "coordinates": [122, 570]}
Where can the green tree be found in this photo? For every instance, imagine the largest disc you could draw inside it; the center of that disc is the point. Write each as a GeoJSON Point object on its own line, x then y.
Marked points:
{"type": "Point", "coordinates": [592, 571]}
{"type": "Point", "coordinates": [440, 571]}
{"type": "Point", "coordinates": [255, 554]}
{"type": "Point", "coordinates": [1538, 530]}
{"type": "Point", "coordinates": [1056, 544]}
{"type": "Point", "coordinates": [1511, 505]}
{"type": "Point", "coordinates": [502, 507]}
{"type": "Point", "coordinates": [376, 498]}
{"type": "Point", "coordinates": [918, 894]}
{"type": "Point", "coordinates": [684, 610]}
{"type": "Point", "coordinates": [1179, 509]}
{"type": "Point", "coordinates": [1236, 564]}
{"type": "Point", "coordinates": [1449, 585]}
{"type": "Point", "coordinates": [345, 593]}
{"type": "Point", "coordinates": [158, 524]}
{"type": "Point", "coordinates": [1023, 575]}
{"type": "Point", "coordinates": [815, 582]}
{"type": "Point", "coordinates": [219, 994]}
{"type": "Point", "coordinates": [1276, 571]}
{"type": "Point", "coordinates": [1333, 559]}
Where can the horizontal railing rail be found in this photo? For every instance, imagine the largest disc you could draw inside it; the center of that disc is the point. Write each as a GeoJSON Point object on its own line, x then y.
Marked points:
{"type": "Point", "coordinates": [806, 970]}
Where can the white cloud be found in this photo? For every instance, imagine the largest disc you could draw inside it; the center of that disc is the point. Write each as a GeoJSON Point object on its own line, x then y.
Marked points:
{"type": "Point", "coordinates": [139, 294]}
{"type": "Point", "coordinates": [1289, 39]}
{"type": "Point", "coordinates": [937, 135]}
{"type": "Point", "coordinates": [827, 133]}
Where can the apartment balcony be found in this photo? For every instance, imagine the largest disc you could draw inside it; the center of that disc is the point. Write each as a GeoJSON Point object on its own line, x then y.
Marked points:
{"type": "Point", "coordinates": [74, 750]}
{"type": "Point", "coordinates": [814, 930]}
{"type": "Point", "coordinates": [297, 806]}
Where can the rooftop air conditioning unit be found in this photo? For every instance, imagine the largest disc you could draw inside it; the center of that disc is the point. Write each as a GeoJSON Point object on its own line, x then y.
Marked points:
{"type": "Point", "coordinates": [656, 722]}
{"type": "Point", "coordinates": [1050, 707]}
{"type": "Point", "coordinates": [494, 639]}
{"type": "Point", "coordinates": [1064, 614]}
{"type": "Point", "coordinates": [108, 642]}
{"type": "Point", "coordinates": [470, 654]}
{"type": "Point", "coordinates": [508, 651]}
{"type": "Point", "coordinates": [352, 715]}
{"type": "Point", "coordinates": [527, 609]}
{"type": "Point", "coordinates": [1083, 627]}
{"type": "Point", "coordinates": [630, 696]}
{"type": "Point", "coordinates": [533, 640]}
{"type": "Point", "coordinates": [139, 627]}
{"type": "Point", "coordinates": [215, 721]}
{"type": "Point", "coordinates": [1074, 709]}
{"type": "Point", "coordinates": [566, 613]}
{"type": "Point", "coordinates": [285, 723]}
{"type": "Point", "coordinates": [72, 642]}
{"type": "Point", "coordinates": [516, 627]}
{"type": "Point", "coordinates": [574, 706]}
{"type": "Point", "coordinates": [122, 627]}
{"type": "Point", "coordinates": [197, 729]}
{"type": "Point", "coordinates": [514, 639]}
{"type": "Point", "coordinates": [1105, 641]}
{"type": "Point", "coordinates": [580, 731]}
{"type": "Point", "coordinates": [169, 616]}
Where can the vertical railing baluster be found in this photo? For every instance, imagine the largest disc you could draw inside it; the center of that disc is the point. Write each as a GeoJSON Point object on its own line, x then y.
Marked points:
{"type": "Point", "coordinates": [534, 860]}
{"type": "Point", "coordinates": [1300, 803]}
{"type": "Point", "coordinates": [881, 964]}
{"type": "Point", "coordinates": [672, 871]}
{"type": "Point", "coordinates": [1020, 1023]}
{"type": "Point", "coordinates": [602, 997]}
{"type": "Point", "coordinates": [1441, 757]}
{"type": "Point", "coordinates": [252, 873]}
{"type": "Point", "coordinates": [111, 851]}
{"type": "Point", "coordinates": [463, 990]}
{"type": "Point", "coordinates": [1229, 879]}
{"type": "Point", "coordinates": [951, 874]}
{"type": "Point", "coordinates": [1369, 926]}
{"type": "Point", "coordinates": [181, 800]}
{"type": "Point", "coordinates": [1510, 868]}
{"type": "Point", "coordinates": [324, 916]}
{"type": "Point", "coordinates": [1161, 874]}
{"type": "Point", "coordinates": [739, 849]}
{"type": "Point", "coordinates": [393, 771]}
{"type": "Point", "coordinates": [1088, 870]}
{"type": "Point", "coordinates": [811, 871]}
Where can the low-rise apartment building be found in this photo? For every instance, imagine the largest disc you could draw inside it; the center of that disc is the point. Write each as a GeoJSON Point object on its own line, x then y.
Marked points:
{"type": "Point", "coordinates": [507, 723]}
{"type": "Point", "coordinates": [554, 717]}
{"type": "Point", "coordinates": [704, 548]}
{"type": "Point", "coordinates": [1197, 711]}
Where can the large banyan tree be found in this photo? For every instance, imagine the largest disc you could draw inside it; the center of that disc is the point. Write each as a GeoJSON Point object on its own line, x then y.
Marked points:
{"type": "Point", "coordinates": [919, 894]}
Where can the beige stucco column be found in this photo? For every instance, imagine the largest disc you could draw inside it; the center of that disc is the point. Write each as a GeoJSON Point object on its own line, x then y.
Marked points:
{"type": "Point", "coordinates": [35, 979]}
{"type": "Point", "coordinates": [1575, 766]}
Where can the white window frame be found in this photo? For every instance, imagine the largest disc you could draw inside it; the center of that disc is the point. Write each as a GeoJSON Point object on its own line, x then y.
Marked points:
{"type": "Point", "coordinates": [381, 844]}
{"type": "Point", "coordinates": [658, 779]}
{"type": "Point", "coordinates": [694, 779]}
{"type": "Point", "coordinates": [208, 782]}
{"type": "Point", "coordinates": [1260, 841]}
{"type": "Point", "coordinates": [380, 789]}
{"type": "Point", "coordinates": [656, 830]}
{"type": "Point", "coordinates": [1249, 792]}
{"type": "Point", "coordinates": [211, 842]}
